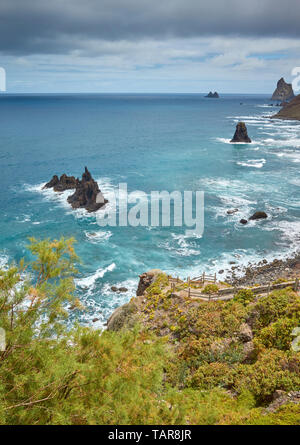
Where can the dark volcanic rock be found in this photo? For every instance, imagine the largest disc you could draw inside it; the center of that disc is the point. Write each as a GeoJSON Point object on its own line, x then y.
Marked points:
{"type": "Point", "coordinates": [284, 91]}
{"type": "Point", "coordinates": [241, 134]}
{"type": "Point", "coordinates": [258, 215]}
{"type": "Point", "coordinates": [54, 181]}
{"type": "Point", "coordinates": [63, 183]}
{"type": "Point", "coordinates": [243, 221]}
{"type": "Point", "coordinates": [212, 95]}
{"type": "Point", "coordinates": [87, 194]}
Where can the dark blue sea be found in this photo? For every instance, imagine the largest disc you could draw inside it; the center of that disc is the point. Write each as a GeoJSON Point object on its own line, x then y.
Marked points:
{"type": "Point", "coordinates": [151, 142]}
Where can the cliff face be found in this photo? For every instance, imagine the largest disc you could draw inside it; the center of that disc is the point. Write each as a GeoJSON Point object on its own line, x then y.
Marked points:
{"type": "Point", "coordinates": [290, 111]}
{"type": "Point", "coordinates": [284, 91]}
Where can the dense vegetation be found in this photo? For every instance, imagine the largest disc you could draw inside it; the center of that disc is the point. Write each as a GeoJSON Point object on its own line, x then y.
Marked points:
{"type": "Point", "coordinates": [184, 363]}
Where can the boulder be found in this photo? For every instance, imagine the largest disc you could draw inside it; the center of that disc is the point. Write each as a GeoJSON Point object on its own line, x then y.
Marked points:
{"type": "Point", "coordinates": [123, 317]}
{"type": "Point", "coordinates": [243, 221]}
{"type": "Point", "coordinates": [258, 215]}
{"type": "Point", "coordinates": [283, 92]}
{"type": "Point", "coordinates": [212, 95]}
{"type": "Point", "coordinates": [281, 398]}
{"type": "Point", "coordinates": [123, 289]}
{"type": "Point", "coordinates": [232, 211]}
{"type": "Point", "coordinates": [245, 333]}
{"type": "Point", "coordinates": [241, 134]}
{"type": "Point", "coordinates": [248, 352]}
{"type": "Point", "coordinates": [86, 194]}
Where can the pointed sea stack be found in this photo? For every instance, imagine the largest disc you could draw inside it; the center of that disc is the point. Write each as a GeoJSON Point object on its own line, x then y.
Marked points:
{"type": "Point", "coordinates": [87, 194]}
{"type": "Point", "coordinates": [284, 91]}
{"type": "Point", "coordinates": [241, 134]}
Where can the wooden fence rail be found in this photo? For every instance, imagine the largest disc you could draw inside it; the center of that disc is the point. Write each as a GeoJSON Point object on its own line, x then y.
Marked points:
{"type": "Point", "coordinates": [229, 292]}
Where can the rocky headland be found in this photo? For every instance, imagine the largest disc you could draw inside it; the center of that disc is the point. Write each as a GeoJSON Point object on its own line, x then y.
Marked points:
{"type": "Point", "coordinates": [284, 91]}
{"type": "Point", "coordinates": [233, 344]}
{"type": "Point", "coordinates": [290, 111]}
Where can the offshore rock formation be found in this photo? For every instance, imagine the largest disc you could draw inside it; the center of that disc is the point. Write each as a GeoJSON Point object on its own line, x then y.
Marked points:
{"type": "Point", "coordinates": [290, 111]}
{"type": "Point", "coordinates": [213, 95]}
{"type": "Point", "coordinates": [258, 215]}
{"type": "Point", "coordinates": [87, 194]}
{"type": "Point", "coordinates": [241, 134]}
{"type": "Point", "coordinates": [61, 184]}
{"type": "Point", "coordinates": [283, 92]}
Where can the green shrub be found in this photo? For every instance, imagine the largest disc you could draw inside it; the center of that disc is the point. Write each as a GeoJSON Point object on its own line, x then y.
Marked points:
{"type": "Point", "coordinates": [210, 289]}
{"type": "Point", "coordinates": [244, 296]}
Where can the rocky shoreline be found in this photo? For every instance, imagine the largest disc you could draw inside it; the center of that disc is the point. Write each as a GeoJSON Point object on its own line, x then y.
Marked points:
{"type": "Point", "coordinates": [264, 272]}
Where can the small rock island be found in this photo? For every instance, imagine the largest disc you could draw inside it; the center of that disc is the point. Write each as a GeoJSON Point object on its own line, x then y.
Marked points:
{"type": "Point", "coordinates": [212, 95]}
{"type": "Point", "coordinates": [284, 91]}
{"type": "Point", "coordinates": [241, 134]}
{"type": "Point", "coordinates": [87, 194]}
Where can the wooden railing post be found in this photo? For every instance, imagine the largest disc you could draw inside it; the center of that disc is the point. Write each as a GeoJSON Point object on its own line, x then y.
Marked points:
{"type": "Point", "coordinates": [215, 279]}
{"type": "Point", "coordinates": [296, 285]}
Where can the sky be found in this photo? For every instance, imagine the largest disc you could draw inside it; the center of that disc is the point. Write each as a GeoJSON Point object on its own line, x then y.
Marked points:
{"type": "Point", "coordinates": [163, 46]}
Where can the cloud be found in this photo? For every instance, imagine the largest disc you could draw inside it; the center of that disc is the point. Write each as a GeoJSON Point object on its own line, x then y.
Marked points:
{"type": "Point", "coordinates": [70, 26]}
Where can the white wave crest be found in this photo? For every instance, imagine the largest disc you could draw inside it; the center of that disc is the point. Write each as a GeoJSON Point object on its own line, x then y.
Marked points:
{"type": "Point", "coordinates": [89, 281]}
{"type": "Point", "coordinates": [254, 163]}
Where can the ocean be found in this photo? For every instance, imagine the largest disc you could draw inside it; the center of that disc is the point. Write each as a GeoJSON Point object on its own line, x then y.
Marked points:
{"type": "Point", "coordinates": [151, 142]}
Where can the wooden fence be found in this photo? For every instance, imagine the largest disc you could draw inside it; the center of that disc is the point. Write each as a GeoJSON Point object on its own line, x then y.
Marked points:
{"type": "Point", "coordinates": [229, 292]}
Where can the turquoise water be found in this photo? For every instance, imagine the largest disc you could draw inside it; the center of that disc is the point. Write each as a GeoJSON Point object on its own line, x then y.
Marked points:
{"type": "Point", "coordinates": [151, 142]}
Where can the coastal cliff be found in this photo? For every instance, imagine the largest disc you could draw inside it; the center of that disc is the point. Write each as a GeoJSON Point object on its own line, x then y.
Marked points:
{"type": "Point", "coordinates": [243, 342]}
{"type": "Point", "coordinates": [290, 111]}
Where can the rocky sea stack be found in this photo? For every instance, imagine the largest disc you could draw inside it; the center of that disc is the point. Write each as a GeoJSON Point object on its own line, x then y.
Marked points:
{"type": "Point", "coordinates": [290, 111]}
{"type": "Point", "coordinates": [283, 92]}
{"type": "Point", "coordinates": [87, 194]}
{"type": "Point", "coordinates": [213, 95]}
{"type": "Point", "coordinates": [61, 184]}
{"type": "Point", "coordinates": [241, 134]}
